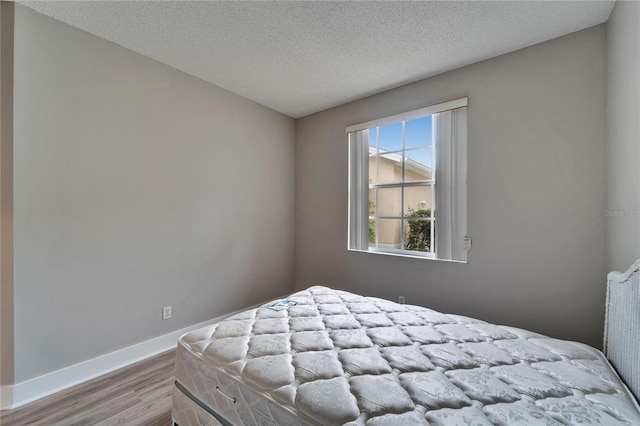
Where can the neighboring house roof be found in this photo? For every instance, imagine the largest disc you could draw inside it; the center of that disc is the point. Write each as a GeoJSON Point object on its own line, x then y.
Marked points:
{"type": "Point", "coordinates": [409, 163]}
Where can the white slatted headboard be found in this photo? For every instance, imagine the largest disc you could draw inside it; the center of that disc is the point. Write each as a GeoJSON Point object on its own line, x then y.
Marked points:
{"type": "Point", "coordinates": [622, 325]}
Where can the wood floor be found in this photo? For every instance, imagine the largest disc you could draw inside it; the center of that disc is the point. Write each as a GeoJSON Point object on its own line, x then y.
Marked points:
{"type": "Point", "coordinates": [136, 395]}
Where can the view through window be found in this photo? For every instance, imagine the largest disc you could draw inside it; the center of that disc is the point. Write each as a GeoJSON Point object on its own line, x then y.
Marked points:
{"type": "Point", "coordinates": [401, 185]}
{"type": "Point", "coordinates": [407, 183]}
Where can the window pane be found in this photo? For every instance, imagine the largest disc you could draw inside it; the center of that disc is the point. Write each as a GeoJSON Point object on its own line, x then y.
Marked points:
{"type": "Point", "coordinates": [372, 202]}
{"type": "Point", "coordinates": [390, 137]}
{"type": "Point", "coordinates": [390, 168]}
{"type": "Point", "coordinates": [373, 167]}
{"type": "Point", "coordinates": [418, 165]}
{"type": "Point", "coordinates": [389, 202]}
{"type": "Point", "coordinates": [373, 137]}
{"type": "Point", "coordinates": [389, 233]}
{"type": "Point", "coordinates": [373, 150]}
{"type": "Point", "coordinates": [418, 132]}
{"type": "Point", "coordinates": [417, 235]}
{"type": "Point", "coordinates": [372, 233]}
{"type": "Point", "coordinates": [417, 201]}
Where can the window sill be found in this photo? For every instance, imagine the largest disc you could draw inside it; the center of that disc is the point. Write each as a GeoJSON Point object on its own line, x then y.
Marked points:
{"type": "Point", "coordinates": [397, 253]}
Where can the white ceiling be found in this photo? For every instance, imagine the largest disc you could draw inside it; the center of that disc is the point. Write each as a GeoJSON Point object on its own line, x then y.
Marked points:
{"type": "Point", "coordinates": [303, 57]}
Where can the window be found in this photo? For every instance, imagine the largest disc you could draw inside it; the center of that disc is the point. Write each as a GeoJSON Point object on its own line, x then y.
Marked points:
{"type": "Point", "coordinates": [407, 183]}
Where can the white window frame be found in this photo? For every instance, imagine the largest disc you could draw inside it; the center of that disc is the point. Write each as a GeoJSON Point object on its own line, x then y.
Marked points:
{"type": "Point", "coordinates": [450, 166]}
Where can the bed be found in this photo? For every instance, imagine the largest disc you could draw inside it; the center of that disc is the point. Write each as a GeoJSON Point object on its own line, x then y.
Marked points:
{"type": "Point", "coordinates": [328, 357]}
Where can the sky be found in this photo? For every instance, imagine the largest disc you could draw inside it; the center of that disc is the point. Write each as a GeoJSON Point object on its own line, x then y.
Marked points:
{"type": "Point", "coordinates": [417, 133]}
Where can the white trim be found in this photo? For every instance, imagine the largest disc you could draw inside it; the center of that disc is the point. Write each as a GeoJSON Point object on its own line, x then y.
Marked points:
{"type": "Point", "coordinates": [405, 253]}
{"type": "Point", "coordinates": [14, 396]}
{"type": "Point", "coordinates": [410, 115]}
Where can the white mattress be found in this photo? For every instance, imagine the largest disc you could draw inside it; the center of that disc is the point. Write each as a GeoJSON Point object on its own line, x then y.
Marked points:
{"type": "Point", "coordinates": [331, 358]}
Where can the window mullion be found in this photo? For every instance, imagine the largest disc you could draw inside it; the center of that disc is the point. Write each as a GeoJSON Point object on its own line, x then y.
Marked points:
{"type": "Point", "coordinates": [377, 156]}
{"type": "Point", "coordinates": [407, 184]}
{"type": "Point", "coordinates": [375, 209]}
{"type": "Point", "coordinates": [404, 128]}
{"type": "Point", "coordinates": [434, 188]}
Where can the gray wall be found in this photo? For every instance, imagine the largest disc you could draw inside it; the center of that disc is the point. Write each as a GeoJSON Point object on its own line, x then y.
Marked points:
{"type": "Point", "coordinates": [536, 193]}
{"type": "Point", "coordinates": [6, 192]}
{"type": "Point", "coordinates": [136, 186]}
{"type": "Point", "coordinates": [623, 135]}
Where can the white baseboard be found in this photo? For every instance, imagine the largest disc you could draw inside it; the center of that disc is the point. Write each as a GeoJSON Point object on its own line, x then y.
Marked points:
{"type": "Point", "coordinates": [14, 396]}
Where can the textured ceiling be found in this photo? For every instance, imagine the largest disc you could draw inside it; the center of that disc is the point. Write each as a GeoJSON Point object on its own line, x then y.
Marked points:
{"type": "Point", "coordinates": [303, 57]}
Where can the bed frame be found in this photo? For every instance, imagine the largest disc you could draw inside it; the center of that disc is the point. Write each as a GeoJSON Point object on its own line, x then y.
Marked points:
{"type": "Point", "coordinates": [622, 325]}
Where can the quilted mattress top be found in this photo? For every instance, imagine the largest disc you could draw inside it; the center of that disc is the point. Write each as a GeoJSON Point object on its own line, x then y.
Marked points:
{"type": "Point", "coordinates": [339, 358]}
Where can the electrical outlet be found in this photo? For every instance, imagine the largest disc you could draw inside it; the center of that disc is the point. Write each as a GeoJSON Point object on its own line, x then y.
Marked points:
{"type": "Point", "coordinates": [467, 243]}
{"type": "Point", "coordinates": [166, 313]}
{"type": "Point", "coordinates": [401, 300]}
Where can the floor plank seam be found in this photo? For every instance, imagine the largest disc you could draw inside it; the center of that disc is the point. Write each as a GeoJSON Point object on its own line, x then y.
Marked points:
{"type": "Point", "coordinates": [139, 394]}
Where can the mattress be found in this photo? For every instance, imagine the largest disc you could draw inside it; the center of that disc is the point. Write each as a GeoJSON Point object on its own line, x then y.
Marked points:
{"type": "Point", "coordinates": [329, 357]}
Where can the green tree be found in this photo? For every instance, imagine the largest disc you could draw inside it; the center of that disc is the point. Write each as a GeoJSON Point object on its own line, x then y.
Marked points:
{"type": "Point", "coordinates": [418, 237]}
{"type": "Point", "coordinates": [372, 225]}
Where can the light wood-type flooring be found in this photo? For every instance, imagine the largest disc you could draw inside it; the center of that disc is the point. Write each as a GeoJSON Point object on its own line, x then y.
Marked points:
{"type": "Point", "coordinates": [139, 394]}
